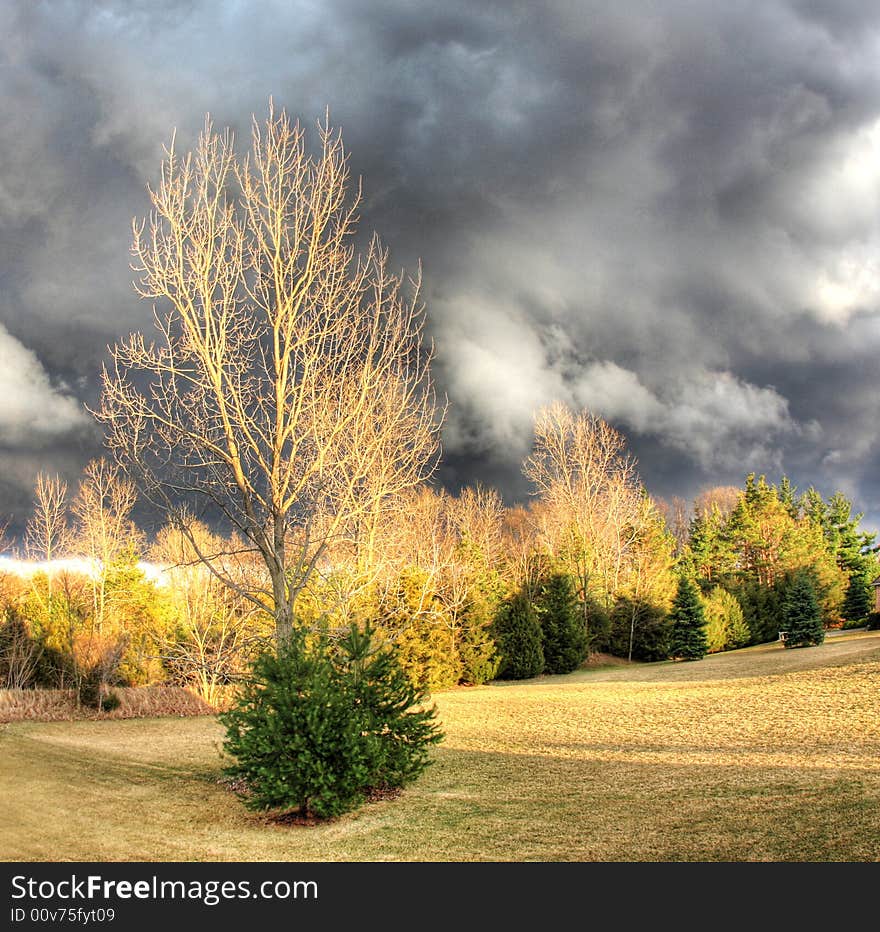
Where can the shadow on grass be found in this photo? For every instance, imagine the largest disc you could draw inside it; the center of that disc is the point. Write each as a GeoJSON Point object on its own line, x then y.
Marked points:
{"type": "Point", "coordinates": [78, 804]}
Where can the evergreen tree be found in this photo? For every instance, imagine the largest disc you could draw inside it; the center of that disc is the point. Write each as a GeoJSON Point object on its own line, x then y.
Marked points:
{"type": "Point", "coordinates": [801, 615]}
{"type": "Point", "coordinates": [756, 530]}
{"type": "Point", "coordinates": [564, 637]}
{"type": "Point", "coordinates": [639, 630]}
{"type": "Point", "coordinates": [770, 545]}
{"type": "Point", "coordinates": [518, 636]}
{"type": "Point", "coordinates": [709, 555]}
{"type": "Point", "coordinates": [762, 608]}
{"type": "Point", "coordinates": [841, 531]}
{"type": "Point", "coordinates": [814, 507]}
{"type": "Point", "coordinates": [426, 652]}
{"type": "Point", "coordinates": [413, 617]}
{"type": "Point", "coordinates": [485, 588]}
{"type": "Point", "coordinates": [855, 552]}
{"type": "Point", "coordinates": [143, 612]}
{"type": "Point", "coordinates": [477, 650]}
{"type": "Point", "coordinates": [316, 728]}
{"type": "Point", "coordinates": [687, 639]}
{"type": "Point", "coordinates": [857, 602]}
{"type": "Point", "coordinates": [786, 494]}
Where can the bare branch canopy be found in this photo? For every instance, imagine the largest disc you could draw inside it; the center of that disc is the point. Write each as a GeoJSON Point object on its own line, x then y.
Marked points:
{"type": "Point", "coordinates": [287, 384]}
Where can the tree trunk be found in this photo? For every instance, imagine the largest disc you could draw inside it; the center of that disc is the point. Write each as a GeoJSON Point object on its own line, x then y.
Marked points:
{"type": "Point", "coordinates": [283, 610]}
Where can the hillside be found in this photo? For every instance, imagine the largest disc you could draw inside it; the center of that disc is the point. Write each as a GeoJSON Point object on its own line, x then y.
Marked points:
{"type": "Point", "coordinates": [764, 754]}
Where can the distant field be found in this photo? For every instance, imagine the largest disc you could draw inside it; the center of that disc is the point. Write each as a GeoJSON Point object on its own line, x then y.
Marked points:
{"type": "Point", "coordinates": [763, 754]}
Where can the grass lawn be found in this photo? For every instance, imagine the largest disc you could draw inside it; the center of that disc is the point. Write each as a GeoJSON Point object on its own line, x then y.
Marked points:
{"type": "Point", "coordinates": [763, 754]}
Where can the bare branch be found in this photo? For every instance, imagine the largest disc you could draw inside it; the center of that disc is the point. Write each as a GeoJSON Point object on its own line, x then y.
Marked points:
{"type": "Point", "coordinates": [288, 386]}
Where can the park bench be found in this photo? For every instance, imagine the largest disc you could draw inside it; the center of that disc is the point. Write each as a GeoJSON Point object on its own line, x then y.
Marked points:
{"type": "Point", "coordinates": [783, 636]}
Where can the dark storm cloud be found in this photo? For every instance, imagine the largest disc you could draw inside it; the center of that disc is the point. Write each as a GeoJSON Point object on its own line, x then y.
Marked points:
{"type": "Point", "coordinates": [664, 212]}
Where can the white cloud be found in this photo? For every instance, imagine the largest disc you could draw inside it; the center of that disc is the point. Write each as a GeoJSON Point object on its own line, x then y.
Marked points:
{"type": "Point", "coordinates": [32, 410]}
{"type": "Point", "coordinates": [615, 392]}
{"type": "Point", "coordinates": [716, 418]}
{"type": "Point", "coordinates": [501, 369]}
{"type": "Point", "coordinates": [498, 373]}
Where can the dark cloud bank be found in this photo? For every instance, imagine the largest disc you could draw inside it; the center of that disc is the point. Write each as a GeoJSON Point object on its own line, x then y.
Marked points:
{"type": "Point", "coordinates": [666, 212]}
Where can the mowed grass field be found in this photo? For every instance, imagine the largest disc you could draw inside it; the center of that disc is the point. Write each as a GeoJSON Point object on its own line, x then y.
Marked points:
{"type": "Point", "coordinates": [763, 754]}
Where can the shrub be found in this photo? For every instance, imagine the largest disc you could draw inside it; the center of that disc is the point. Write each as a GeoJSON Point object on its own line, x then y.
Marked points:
{"type": "Point", "coordinates": [872, 622]}
{"type": "Point", "coordinates": [20, 653]}
{"type": "Point", "coordinates": [89, 689]}
{"type": "Point", "coordinates": [414, 618]}
{"type": "Point", "coordinates": [93, 694]}
{"type": "Point", "coordinates": [564, 636]}
{"type": "Point", "coordinates": [317, 727]}
{"type": "Point", "coordinates": [518, 636]}
{"type": "Point", "coordinates": [600, 625]}
{"type": "Point", "coordinates": [726, 626]}
{"type": "Point", "coordinates": [97, 662]}
{"type": "Point", "coordinates": [110, 702]}
{"type": "Point", "coordinates": [477, 650]}
{"type": "Point", "coordinates": [426, 652]}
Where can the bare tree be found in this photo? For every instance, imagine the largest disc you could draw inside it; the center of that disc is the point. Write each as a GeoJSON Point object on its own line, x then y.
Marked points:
{"type": "Point", "coordinates": [677, 515]}
{"type": "Point", "coordinates": [478, 517]}
{"type": "Point", "coordinates": [650, 562]}
{"type": "Point", "coordinates": [289, 387]}
{"type": "Point", "coordinates": [581, 470]}
{"type": "Point", "coordinates": [46, 537]}
{"type": "Point", "coordinates": [415, 534]}
{"type": "Point", "coordinates": [524, 560]}
{"type": "Point", "coordinates": [724, 498]}
{"type": "Point", "coordinates": [103, 527]}
{"type": "Point", "coordinates": [47, 533]}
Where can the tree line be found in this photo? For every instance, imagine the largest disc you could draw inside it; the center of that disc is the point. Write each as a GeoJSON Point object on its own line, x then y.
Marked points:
{"type": "Point", "coordinates": [464, 588]}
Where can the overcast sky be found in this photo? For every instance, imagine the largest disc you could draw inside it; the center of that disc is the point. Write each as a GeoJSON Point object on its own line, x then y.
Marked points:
{"type": "Point", "coordinates": [665, 212]}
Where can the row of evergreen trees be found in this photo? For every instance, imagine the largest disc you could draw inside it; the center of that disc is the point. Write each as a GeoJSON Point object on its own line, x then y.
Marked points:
{"type": "Point", "coordinates": [550, 637]}
{"type": "Point", "coordinates": [753, 562]}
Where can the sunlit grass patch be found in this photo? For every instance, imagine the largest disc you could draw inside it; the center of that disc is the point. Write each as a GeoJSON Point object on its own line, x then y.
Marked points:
{"type": "Point", "coordinates": [758, 755]}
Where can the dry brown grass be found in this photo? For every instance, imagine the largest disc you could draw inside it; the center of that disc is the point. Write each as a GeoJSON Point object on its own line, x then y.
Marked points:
{"type": "Point", "coordinates": [52, 705]}
{"type": "Point", "coordinates": [757, 755]}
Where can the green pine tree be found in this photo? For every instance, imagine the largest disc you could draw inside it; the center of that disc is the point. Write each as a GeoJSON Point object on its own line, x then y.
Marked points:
{"type": "Point", "coordinates": [800, 614]}
{"type": "Point", "coordinates": [857, 602]}
{"type": "Point", "coordinates": [518, 636]}
{"type": "Point", "coordinates": [317, 727]}
{"type": "Point", "coordinates": [786, 493]}
{"type": "Point", "coordinates": [814, 507]}
{"type": "Point", "coordinates": [422, 631]}
{"type": "Point", "coordinates": [762, 608]}
{"type": "Point", "coordinates": [639, 630]}
{"type": "Point", "coordinates": [855, 553]}
{"type": "Point", "coordinates": [562, 625]}
{"type": "Point", "coordinates": [687, 639]}
{"type": "Point", "coordinates": [709, 555]}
